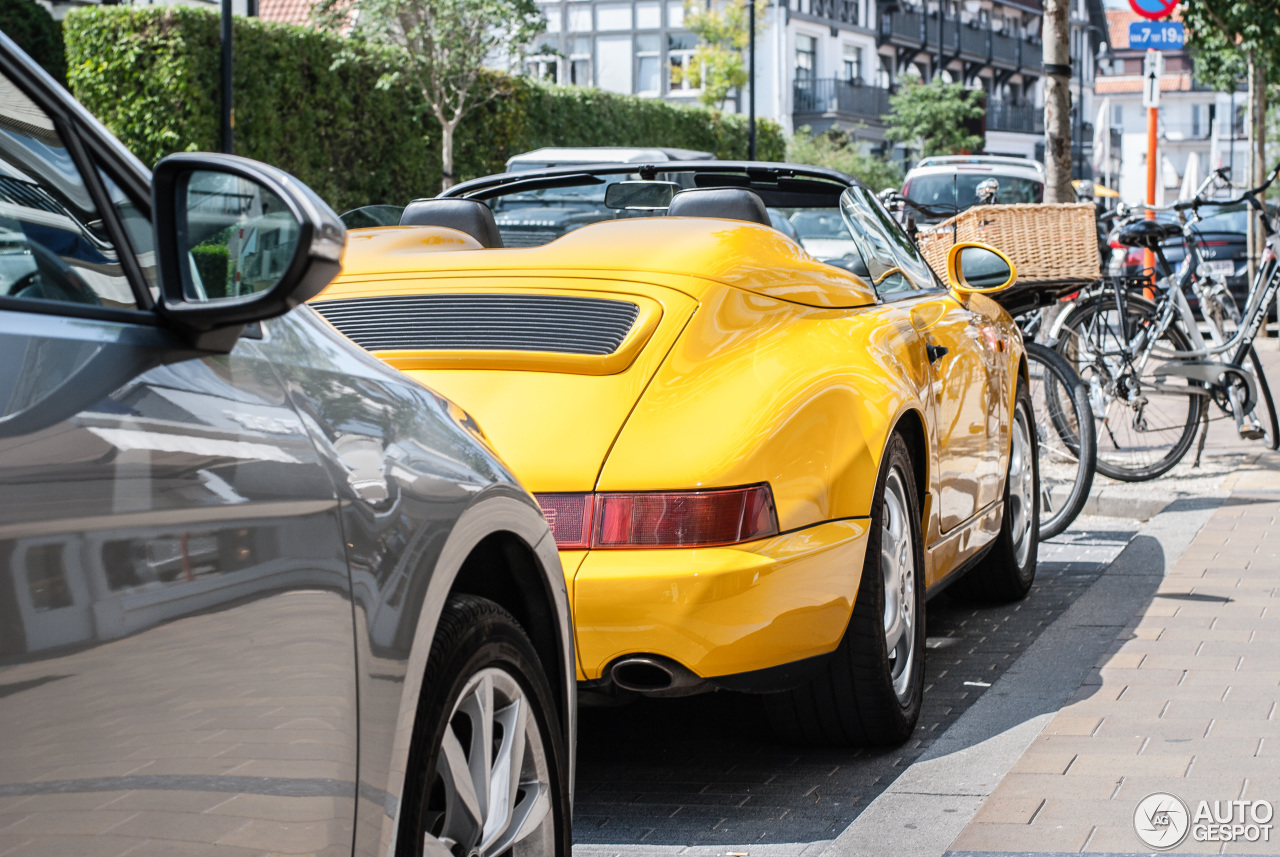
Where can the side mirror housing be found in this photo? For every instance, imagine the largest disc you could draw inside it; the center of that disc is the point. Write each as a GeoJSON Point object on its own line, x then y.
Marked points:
{"type": "Point", "coordinates": [977, 269]}
{"type": "Point", "coordinates": [237, 241]}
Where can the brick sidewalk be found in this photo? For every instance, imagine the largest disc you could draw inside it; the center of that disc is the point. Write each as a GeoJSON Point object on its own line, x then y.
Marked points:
{"type": "Point", "coordinates": [1185, 702]}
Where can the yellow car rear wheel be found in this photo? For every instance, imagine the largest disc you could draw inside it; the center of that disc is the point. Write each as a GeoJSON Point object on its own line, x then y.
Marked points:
{"type": "Point", "coordinates": [870, 690]}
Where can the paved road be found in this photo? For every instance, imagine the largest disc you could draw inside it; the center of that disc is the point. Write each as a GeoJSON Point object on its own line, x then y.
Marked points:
{"type": "Point", "coordinates": [665, 775]}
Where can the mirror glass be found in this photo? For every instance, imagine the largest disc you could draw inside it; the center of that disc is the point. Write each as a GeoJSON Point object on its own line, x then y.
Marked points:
{"type": "Point", "coordinates": [238, 237]}
{"type": "Point", "coordinates": [979, 268]}
{"type": "Point", "coordinates": [639, 196]}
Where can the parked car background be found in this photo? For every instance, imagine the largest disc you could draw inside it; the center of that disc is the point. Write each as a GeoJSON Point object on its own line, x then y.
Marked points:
{"type": "Point", "coordinates": [1224, 245]}
{"type": "Point", "coordinates": [949, 184]}
{"type": "Point", "coordinates": [257, 591]}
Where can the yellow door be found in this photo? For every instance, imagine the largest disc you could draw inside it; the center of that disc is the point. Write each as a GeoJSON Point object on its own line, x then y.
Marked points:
{"type": "Point", "coordinates": [966, 405]}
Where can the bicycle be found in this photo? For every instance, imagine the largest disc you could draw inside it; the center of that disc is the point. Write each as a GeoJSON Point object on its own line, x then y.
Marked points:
{"type": "Point", "coordinates": [1152, 375]}
{"type": "Point", "coordinates": [1060, 402]}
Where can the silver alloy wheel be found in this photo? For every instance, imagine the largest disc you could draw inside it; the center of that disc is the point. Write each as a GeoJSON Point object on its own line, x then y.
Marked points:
{"type": "Point", "coordinates": [1021, 489]}
{"type": "Point", "coordinates": [898, 568]}
{"type": "Point", "coordinates": [493, 784]}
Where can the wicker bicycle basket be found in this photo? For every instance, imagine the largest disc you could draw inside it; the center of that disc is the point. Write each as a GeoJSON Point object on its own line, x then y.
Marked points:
{"type": "Point", "coordinates": [1051, 245]}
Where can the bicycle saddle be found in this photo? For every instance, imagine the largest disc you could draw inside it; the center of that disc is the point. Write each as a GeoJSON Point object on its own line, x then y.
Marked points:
{"type": "Point", "coordinates": [1147, 233]}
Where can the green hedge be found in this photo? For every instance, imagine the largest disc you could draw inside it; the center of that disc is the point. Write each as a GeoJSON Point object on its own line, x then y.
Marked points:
{"type": "Point", "coordinates": [151, 74]}
{"type": "Point", "coordinates": [33, 28]}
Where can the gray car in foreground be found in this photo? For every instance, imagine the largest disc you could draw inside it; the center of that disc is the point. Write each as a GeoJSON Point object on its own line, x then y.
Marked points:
{"type": "Point", "coordinates": [258, 592]}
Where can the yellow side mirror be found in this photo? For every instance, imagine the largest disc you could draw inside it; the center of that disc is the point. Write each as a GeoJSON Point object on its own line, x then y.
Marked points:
{"type": "Point", "coordinates": [974, 268]}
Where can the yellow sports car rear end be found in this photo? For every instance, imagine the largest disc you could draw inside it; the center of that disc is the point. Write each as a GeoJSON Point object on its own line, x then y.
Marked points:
{"type": "Point", "coordinates": [718, 427]}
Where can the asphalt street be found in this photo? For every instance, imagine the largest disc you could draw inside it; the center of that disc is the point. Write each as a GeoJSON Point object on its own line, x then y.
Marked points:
{"type": "Point", "coordinates": [659, 776]}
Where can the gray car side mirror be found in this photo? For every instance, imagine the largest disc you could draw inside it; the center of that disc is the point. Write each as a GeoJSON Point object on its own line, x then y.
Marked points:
{"type": "Point", "coordinates": [237, 241]}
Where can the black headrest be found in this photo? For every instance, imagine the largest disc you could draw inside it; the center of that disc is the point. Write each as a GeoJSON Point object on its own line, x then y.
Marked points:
{"type": "Point", "coordinates": [728, 203]}
{"type": "Point", "coordinates": [466, 215]}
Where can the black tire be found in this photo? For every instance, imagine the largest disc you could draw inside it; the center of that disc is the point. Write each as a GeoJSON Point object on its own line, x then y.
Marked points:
{"type": "Point", "coordinates": [1128, 451]}
{"type": "Point", "coordinates": [1065, 443]}
{"type": "Point", "coordinates": [855, 701]}
{"type": "Point", "coordinates": [1227, 315]}
{"type": "Point", "coordinates": [1009, 567]}
{"type": "Point", "coordinates": [478, 641]}
{"type": "Point", "coordinates": [1265, 410]}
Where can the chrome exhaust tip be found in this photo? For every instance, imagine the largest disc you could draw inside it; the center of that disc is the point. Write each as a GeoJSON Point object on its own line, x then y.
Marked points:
{"type": "Point", "coordinates": [654, 675]}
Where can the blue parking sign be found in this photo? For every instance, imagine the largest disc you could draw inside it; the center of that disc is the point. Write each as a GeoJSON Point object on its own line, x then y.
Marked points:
{"type": "Point", "coordinates": [1157, 35]}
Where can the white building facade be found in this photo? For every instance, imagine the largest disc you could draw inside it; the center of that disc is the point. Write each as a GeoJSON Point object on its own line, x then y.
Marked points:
{"type": "Point", "coordinates": [834, 63]}
{"type": "Point", "coordinates": [1198, 129]}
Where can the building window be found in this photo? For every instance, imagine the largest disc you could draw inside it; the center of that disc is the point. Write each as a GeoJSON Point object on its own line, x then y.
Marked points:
{"type": "Point", "coordinates": [580, 62]}
{"type": "Point", "coordinates": [675, 14]}
{"type": "Point", "coordinates": [680, 48]}
{"type": "Point", "coordinates": [852, 63]}
{"type": "Point", "coordinates": [884, 76]}
{"type": "Point", "coordinates": [579, 18]}
{"type": "Point", "coordinates": [648, 16]}
{"type": "Point", "coordinates": [1197, 119]}
{"type": "Point", "coordinates": [614, 64]}
{"type": "Point", "coordinates": [554, 19]}
{"type": "Point", "coordinates": [1117, 116]}
{"type": "Point", "coordinates": [46, 581]}
{"type": "Point", "coordinates": [806, 56]}
{"type": "Point", "coordinates": [613, 17]}
{"type": "Point", "coordinates": [648, 65]}
{"type": "Point", "coordinates": [543, 68]}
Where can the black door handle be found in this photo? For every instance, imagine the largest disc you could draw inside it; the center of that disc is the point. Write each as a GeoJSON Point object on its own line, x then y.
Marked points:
{"type": "Point", "coordinates": [936, 352]}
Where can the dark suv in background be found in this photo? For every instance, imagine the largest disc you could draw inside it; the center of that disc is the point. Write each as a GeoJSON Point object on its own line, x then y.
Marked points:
{"type": "Point", "coordinates": [257, 590]}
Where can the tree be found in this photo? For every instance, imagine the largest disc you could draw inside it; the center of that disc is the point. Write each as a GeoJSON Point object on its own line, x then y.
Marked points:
{"type": "Point", "coordinates": [1057, 102]}
{"type": "Point", "coordinates": [838, 150]}
{"type": "Point", "coordinates": [33, 28]}
{"type": "Point", "coordinates": [1231, 39]}
{"type": "Point", "coordinates": [930, 117]}
{"type": "Point", "coordinates": [441, 48]}
{"type": "Point", "coordinates": [718, 64]}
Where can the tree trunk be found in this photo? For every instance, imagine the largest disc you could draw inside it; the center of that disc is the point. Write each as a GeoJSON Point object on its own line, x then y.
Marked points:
{"type": "Point", "coordinates": [446, 155]}
{"type": "Point", "coordinates": [1057, 102]}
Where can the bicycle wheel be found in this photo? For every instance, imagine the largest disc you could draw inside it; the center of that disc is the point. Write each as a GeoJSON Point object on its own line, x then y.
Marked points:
{"type": "Point", "coordinates": [1265, 411]}
{"type": "Point", "coordinates": [1221, 308]}
{"type": "Point", "coordinates": [1143, 424]}
{"type": "Point", "coordinates": [1064, 428]}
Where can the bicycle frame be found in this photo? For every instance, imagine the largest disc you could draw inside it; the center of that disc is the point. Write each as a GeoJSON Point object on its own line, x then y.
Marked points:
{"type": "Point", "coordinates": [1204, 365]}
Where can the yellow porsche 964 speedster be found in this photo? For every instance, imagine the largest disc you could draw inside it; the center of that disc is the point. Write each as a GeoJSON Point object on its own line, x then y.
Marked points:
{"type": "Point", "coordinates": [757, 459]}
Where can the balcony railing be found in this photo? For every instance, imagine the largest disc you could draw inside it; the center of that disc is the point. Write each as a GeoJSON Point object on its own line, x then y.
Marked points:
{"type": "Point", "coordinates": [974, 43]}
{"type": "Point", "coordinates": [1017, 116]}
{"type": "Point", "coordinates": [829, 95]}
{"type": "Point", "coordinates": [1177, 131]}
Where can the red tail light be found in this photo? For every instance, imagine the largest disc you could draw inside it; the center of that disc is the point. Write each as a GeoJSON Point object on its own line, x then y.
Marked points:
{"type": "Point", "coordinates": [570, 518]}
{"type": "Point", "coordinates": [661, 519]}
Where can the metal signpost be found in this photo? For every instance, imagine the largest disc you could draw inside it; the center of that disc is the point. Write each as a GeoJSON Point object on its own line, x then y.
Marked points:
{"type": "Point", "coordinates": [1158, 34]}
{"type": "Point", "coordinates": [1152, 71]}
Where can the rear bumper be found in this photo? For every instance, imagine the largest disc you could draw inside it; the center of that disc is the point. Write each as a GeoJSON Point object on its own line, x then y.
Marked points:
{"type": "Point", "coordinates": [720, 611]}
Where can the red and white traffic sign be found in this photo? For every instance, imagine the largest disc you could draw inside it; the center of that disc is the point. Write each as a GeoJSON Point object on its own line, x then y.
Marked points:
{"type": "Point", "coordinates": [1153, 10]}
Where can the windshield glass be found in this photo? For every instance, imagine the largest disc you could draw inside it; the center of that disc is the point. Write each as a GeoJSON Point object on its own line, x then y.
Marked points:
{"type": "Point", "coordinates": [946, 190]}
{"type": "Point", "coordinates": [819, 223]}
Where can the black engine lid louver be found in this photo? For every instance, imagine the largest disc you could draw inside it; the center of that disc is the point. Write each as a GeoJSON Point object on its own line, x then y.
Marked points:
{"type": "Point", "coordinates": [483, 322]}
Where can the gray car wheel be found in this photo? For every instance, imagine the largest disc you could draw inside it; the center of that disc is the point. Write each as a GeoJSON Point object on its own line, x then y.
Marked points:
{"type": "Point", "coordinates": [493, 782]}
